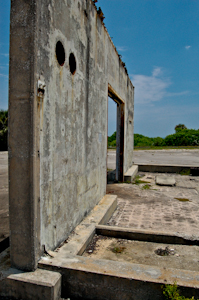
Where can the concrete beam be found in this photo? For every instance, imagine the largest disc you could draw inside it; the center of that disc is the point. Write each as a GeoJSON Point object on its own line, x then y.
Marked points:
{"type": "Point", "coordinates": [144, 235]}
{"type": "Point", "coordinates": [104, 279]}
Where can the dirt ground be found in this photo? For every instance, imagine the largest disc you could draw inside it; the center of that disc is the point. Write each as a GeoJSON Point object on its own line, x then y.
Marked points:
{"type": "Point", "coordinates": [175, 256]}
{"type": "Point", "coordinates": [4, 206]}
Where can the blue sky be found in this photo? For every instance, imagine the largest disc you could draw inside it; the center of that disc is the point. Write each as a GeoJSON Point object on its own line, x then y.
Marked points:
{"type": "Point", "coordinates": [159, 42]}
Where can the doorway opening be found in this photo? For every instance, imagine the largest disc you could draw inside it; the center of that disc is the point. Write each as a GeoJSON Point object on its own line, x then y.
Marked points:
{"type": "Point", "coordinates": [115, 151]}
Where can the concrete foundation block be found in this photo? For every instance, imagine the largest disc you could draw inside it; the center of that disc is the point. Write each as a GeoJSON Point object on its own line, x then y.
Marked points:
{"type": "Point", "coordinates": [37, 285]}
{"type": "Point", "coordinates": [131, 173]}
{"type": "Point", "coordinates": [102, 279]}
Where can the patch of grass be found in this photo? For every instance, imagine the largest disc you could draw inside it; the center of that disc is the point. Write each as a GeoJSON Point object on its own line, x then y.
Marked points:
{"type": "Point", "coordinates": [146, 187]}
{"type": "Point", "coordinates": [171, 292]}
{"type": "Point", "coordinates": [138, 181]}
{"type": "Point", "coordinates": [182, 199]}
{"type": "Point", "coordinates": [118, 249]}
{"type": "Point", "coordinates": [185, 172]}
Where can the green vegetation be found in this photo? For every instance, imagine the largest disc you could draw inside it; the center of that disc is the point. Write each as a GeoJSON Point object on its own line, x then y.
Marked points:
{"type": "Point", "coordinates": [171, 292]}
{"type": "Point", "coordinates": [119, 249]}
{"type": "Point", "coordinates": [146, 187]}
{"type": "Point", "coordinates": [185, 172]}
{"type": "Point", "coordinates": [3, 130]}
{"type": "Point", "coordinates": [182, 137]}
{"type": "Point", "coordinates": [112, 140]}
{"type": "Point", "coordinates": [180, 127]}
{"type": "Point", "coordinates": [182, 199]}
{"type": "Point", "coordinates": [138, 181]}
{"type": "Point", "coordinates": [143, 141]}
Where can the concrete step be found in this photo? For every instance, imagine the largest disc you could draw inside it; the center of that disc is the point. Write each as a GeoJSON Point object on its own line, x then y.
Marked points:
{"type": "Point", "coordinates": [131, 173]}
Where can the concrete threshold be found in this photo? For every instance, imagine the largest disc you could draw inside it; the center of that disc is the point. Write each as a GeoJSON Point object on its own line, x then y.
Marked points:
{"type": "Point", "coordinates": [131, 173]}
{"type": "Point", "coordinates": [164, 168]}
{"type": "Point", "coordinates": [100, 279]}
{"type": "Point", "coordinates": [145, 235]}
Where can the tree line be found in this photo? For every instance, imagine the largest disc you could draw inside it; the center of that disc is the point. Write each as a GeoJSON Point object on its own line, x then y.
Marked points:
{"type": "Point", "coordinates": [182, 137]}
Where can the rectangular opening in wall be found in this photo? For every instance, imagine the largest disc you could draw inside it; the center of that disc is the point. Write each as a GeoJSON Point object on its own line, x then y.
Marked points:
{"type": "Point", "coordinates": [115, 150]}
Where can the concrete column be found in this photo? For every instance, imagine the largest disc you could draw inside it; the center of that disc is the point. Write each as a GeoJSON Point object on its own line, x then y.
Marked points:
{"type": "Point", "coordinates": [23, 138]}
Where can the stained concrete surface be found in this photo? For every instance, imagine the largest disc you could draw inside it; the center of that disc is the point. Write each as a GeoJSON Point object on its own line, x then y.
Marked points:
{"type": "Point", "coordinates": [63, 69]}
{"type": "Point", "coordinates": [138, 252]}
{"type": "Point", "coordinates": [172, 157]}
{"type": "Point", "coordinates": [162, 208]}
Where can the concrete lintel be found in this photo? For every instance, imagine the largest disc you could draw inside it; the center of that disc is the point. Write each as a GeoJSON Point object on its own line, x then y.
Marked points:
{"type": "Point", "coordinates": [145, 235]}
{"type": "Point", "coordinates": [103, 279]}
{"type": "Point", "coordinates": [162, 168]}
{"type": "Point", "coordinates": [131, 173]}
{"type": "Point", "coordinates": [40, 285]}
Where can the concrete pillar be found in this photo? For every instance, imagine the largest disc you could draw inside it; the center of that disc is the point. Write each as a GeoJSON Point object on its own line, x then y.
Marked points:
{"type": "Point", "coordinates": [23, 138]}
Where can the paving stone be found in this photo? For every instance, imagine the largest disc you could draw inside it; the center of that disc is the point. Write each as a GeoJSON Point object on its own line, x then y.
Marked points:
{"type": "Point", "coordinates": [165, 180]}
{"type": "Point", "coordinates": [158, 210]}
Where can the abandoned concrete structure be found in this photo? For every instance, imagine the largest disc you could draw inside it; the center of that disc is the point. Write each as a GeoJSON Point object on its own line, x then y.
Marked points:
{"type": "Point", "coordinates": [63, 66]}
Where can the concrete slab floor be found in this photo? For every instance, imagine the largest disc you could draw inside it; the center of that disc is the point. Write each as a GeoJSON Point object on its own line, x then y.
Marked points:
{"type": "Point", "coordinates": [149, 206]}
{"type": "Point", "coordinates": [173, 157]}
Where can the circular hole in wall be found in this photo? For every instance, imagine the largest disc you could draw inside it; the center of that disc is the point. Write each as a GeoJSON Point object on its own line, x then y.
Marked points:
{"type": "Point", "coordinates": [60, 53]}
{"type": "Point", "coordinates": [72, 63]}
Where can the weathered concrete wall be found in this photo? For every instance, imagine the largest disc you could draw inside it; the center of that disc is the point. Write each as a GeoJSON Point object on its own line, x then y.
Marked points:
{"type": "Point", "coordinates": [65, 122]}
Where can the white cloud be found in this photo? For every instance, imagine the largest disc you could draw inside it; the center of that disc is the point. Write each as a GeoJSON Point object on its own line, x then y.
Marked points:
{"type": "Point", "coordinates": [4, 54]}
{"type": "Point", "coordinates": [122, 49]}
{"type": "Point", "coordinates": [3, 75]}
{"type": "Point", "coordinates": [150, 88]}
{"type": "Point", "coordinates": [187, 47]}
{"type": "Point", "coordinates": [177, 94]}
{"type": "Point", "coordinates": [4, 66]}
